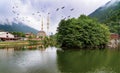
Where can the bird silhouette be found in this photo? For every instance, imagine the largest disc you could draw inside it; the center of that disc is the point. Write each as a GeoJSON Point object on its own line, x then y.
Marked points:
{"type": "Point", "coordinates": [69, 16]}
{"type": "Point", "coordinates": [38, 12]}
{"type": "Point", "coordinates": [16, 6]}
{"type": "Point", "coordinates": [13, 7]}
{"type": "Point", "coordinates": [48, 13]}
{"type": "Point", "coordinates": [33, 13]}
{"type": "Point", "coordinates": [72, 9]}
{"type": "Point", "coordinates": [40, 15]}
{"type": "Point", "coordinates": [57, 9]}
{"type": "Point", "coordinates": [18, 14]}
{"type": "Point", "coordinates": [13, 11]}
{"type": "Point", "coordinates": [63, 7]}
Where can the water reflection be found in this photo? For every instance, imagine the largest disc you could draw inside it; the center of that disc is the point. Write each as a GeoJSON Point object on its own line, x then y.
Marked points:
{"type": "Point", "coordinates": [37, 59]}
{"type": "Point", "coordinates": [28, 61]}
{"type": "Point", "coordinates": [89, 61]}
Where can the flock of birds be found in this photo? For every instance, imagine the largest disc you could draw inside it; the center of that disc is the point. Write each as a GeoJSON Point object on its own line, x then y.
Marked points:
{"type": "Point", "coordinates": [18, 14]}
{"type": "Point", "coordinates": [63, 8]}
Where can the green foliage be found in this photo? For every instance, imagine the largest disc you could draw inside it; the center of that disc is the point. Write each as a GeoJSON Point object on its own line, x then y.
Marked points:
{"type": "Point", "coordinates": [18, 34]}
{"type": "Point", "coordinates": [50, 41]}
{"type": "Point", "coordinates": [83, 32]}
{"type": "Point", "coordinates": [109, 15]}
{"type": "Point", "coordinates": [33, 42]}
{"type": "Point", "coordinates": [114, 27]}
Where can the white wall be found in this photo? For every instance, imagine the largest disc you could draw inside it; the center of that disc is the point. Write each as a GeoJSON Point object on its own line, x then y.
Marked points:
{"type": "Point", "coordinates": [5, 34]}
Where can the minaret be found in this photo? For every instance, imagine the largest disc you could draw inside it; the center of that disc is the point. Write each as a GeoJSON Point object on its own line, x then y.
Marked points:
{"type": "Point", "coordinates": [42, 25]}
{"type": "Point", "coordinates": [48, 25]}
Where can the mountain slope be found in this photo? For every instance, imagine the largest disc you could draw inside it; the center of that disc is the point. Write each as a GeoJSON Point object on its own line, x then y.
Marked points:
{"type": "Point", "coordinates": [109, 14]}
{"type": "Point", "coordinates": [20, 27]}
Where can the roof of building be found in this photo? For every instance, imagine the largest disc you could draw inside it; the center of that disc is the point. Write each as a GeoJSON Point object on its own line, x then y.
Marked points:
{"type": "Point", "coordinates": [114, 36]}
{"type": "Point", "coordinates": [2, 32]}
{"type": "Point", "coordinates": [41, 32]}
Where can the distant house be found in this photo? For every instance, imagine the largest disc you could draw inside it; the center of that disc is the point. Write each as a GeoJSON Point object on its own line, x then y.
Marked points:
{"type": "Point", "coordinates": [28, 35]}
{"type": "Point", "coordinates": [6, 36]}
{"type": "Point", "coordinates": [41, 34]}
{"type": "Point", "coordinates": [114, 40]}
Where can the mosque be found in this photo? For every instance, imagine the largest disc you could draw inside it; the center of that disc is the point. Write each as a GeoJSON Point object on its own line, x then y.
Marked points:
{"type": "Point", "coordinates": [42, 32]}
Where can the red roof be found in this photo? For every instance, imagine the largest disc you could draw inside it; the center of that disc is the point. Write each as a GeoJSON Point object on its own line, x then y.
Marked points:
{"type": "Point", "coordinates": [114, 36]}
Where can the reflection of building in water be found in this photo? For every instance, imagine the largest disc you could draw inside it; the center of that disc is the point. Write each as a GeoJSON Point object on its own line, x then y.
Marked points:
{"type": "Point", "coordinates": [6, 52]}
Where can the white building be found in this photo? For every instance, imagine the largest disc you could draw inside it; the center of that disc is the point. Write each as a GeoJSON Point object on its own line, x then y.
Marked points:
{"type": "Point", "coordinates": [6, 36]}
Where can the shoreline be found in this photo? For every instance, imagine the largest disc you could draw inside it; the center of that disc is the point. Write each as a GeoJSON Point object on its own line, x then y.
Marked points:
{"type": "Point", "coordinates": [14, 43]}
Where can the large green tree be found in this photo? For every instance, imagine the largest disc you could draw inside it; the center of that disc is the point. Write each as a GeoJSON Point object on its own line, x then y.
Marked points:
{"type": "Point", "coordinates": [82, 32]}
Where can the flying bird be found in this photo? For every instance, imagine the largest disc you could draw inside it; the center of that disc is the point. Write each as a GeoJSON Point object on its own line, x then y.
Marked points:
{"type": "Point", "coordinates": [57, 9]}
{"type": "Point", "coordinates": [38, 12]}
{"type": "Point", "coordinates": [72, 9]}
{"type": "Point", "coordinates": [14, 12]}
{"type": "Point", "coordinates": [16, 6]}
{"type": "Point", "coordinates": [68, 16]}
{"type": "Point", "coordinates": [48, 13]}
{"type": "Point", "coordinates": [18, 14]}
{"type": "Point", "coordinates": [33, 14]}
{"type": "Point", "coordinates": [13, 7]}
{"type": "Point", "coordinates": [63, 7]}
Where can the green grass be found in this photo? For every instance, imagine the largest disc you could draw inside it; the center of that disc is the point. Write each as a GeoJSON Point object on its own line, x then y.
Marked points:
{"type": "Point", "coordinates": [13, 43]}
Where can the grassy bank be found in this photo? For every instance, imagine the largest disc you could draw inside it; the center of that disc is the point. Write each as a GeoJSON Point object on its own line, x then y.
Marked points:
{"type": "Point", "coordinates": [14, 43]}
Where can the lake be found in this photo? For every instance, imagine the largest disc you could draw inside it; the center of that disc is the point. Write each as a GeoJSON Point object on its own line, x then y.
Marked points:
{"type": "Point", "coordinates": [54, 60]}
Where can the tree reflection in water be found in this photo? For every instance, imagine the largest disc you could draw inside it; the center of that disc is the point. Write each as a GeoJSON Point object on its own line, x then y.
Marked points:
{"type": "Point", "coordinates": [89, 61]}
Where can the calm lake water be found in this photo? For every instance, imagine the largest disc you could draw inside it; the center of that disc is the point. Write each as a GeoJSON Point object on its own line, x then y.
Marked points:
{"type": "Point", "coordinates": [51, 60]}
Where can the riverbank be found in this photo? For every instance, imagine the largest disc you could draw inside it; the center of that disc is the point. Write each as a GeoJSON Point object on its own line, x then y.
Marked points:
{"type": "Point", "coordinates": [14, 43]}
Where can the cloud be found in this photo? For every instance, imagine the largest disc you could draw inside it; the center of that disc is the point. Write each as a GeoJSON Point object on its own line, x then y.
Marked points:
{"type": "Point", "coordinates": [30, 12]}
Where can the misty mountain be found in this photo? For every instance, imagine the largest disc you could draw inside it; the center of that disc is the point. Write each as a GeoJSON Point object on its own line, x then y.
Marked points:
{"type": "Point", "coordinates": [20, 27]}
{"type": "Point", "coordinates": [109, 14]}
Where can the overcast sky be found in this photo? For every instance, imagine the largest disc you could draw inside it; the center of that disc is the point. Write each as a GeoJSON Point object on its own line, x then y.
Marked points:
{"type": "Point", "coordinates": [30, 12]}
